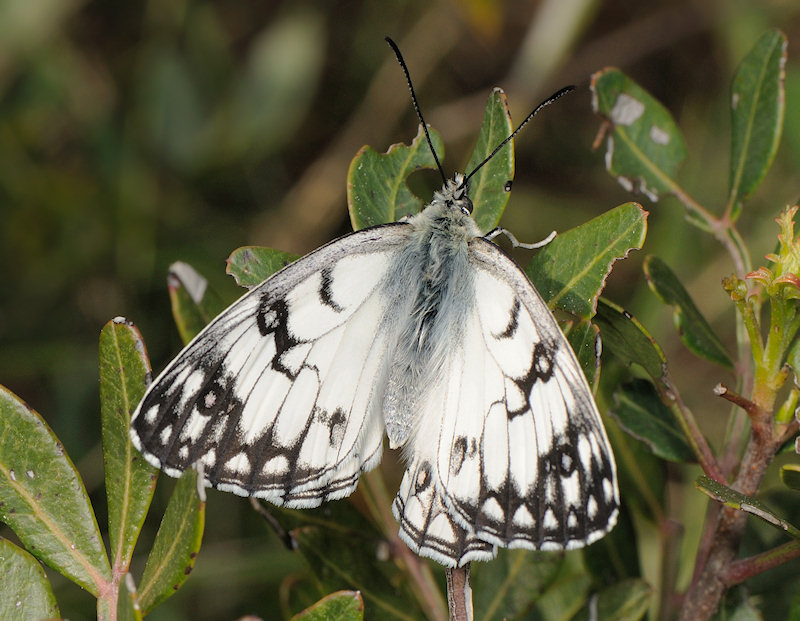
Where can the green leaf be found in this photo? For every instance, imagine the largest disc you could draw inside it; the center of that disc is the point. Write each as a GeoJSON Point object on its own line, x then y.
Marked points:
{"type": "Point", "coordinates": [645, 147]}
{"type": "Point", "coordinates": [757, 111]}
{"type": "Point", "coordinates": [252, 265]}
{"type": "Point", "coordinates": [176, 546]}
{"type": "Point", "coordinates": [25, 592]}
{"type": "Point", "coordinates": [627, 339]}
{"type": "Point", "coordinates": [510, 584]}
{"type": "Point", "coordinates": [127, 602]}
{"type": "Point", "coordinates": [790, 475]}
{"type": "Point", "coordinates": [641, 413]}
{"type": "Point", "coordinates": [794, 611]}
{"type": "Point", "coordinates": [341, 518]}
{"type": "Point", "coordinates": [584, 338]}
{"type": "Point", "coordinates": [339, 606]}
{"type": "Point", "coordinates": [614, 557]}
{"type": "Point", "coordinates": [130, 480]}
{"type": "Point", "coordinates": [490, 186]}
{"type": "Point", "coordinates": [571, 270]}
{"type": "Point", "coordinates": [377, 191]}
{"type": "Point", "coordinates": [693, 328]}
{"type": "Point", "coordinates": [193, 303]}
{"type": "Point", "coordinates": [342, 560]}
{"type": "Point", "coordinates": [566, 592]}
{"type": "Point", "coordinates": [737, 500]}
{"type": "Point", "coordinates": [43, 500]}
{"type": "Point", "coordinates": [626, 600]}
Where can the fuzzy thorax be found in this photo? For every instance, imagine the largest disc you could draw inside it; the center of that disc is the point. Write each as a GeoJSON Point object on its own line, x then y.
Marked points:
{"type": "Point", "coordinates": [429, 323]}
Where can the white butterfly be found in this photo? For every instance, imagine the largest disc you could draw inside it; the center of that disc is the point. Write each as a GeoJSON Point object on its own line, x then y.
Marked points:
{"type": "Point", "coordinates": [423, 330]}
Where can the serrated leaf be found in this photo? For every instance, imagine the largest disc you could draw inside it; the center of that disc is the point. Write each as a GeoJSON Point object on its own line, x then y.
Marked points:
{"type": "Point", "coordinates": [626, 600]}
{"type": "Point", "coordinates": [339, 606]}
{"type": "Point", "coordinates": [757, 111]}
{"type": "Point", "coordinates": [627, 339]}
{"type": "Point", "coordinates": [130, 480]}
{"type": "Point", "coordinates": [176, 545]}
{"type": "Point", "coordinates": [693, 328]}
{"type": "Point", "coordinates": [377, 191]}
{"type": "Point", "coordinates": [193, 303]}
{"type": "Point", "coordinates": [340, 562]}
{"type": "Point", "coordinates": [641, 413]}
{"type": "Point", "coordinates": [570, 272]}
{"type": "Point", "coordinates": [252, 265]}
{"type": "Point", "coordinates": [25, 592]}
{"type": "Point", "coordinates": [509, 585]}
{"type": "Point", "coordinates": [790, 475]}
{"type": "Point", "coordinates": [584, 338]}
{"type": "Point", "coordinates": [43, 500]}
{"type": "Point", "coordinates": [742, 502]}
{"type": "Point", "coordinates": [645, 146]}
{"type": "Point", "coordinates": [489, 187]}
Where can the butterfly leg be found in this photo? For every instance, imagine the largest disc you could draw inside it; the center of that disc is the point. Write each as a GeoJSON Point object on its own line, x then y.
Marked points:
{"type": "Point", "coordinates": [515, 242]}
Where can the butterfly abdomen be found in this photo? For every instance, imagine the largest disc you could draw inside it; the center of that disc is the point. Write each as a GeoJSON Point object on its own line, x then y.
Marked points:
{"type": "Point", "coordinates": [434, 265]}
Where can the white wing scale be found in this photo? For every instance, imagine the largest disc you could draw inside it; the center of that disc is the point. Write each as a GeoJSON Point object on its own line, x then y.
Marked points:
{"type": "Point", "coordinates": [287, 393]}
{"type": "Point", "coordinates": [279, 397]}
{"type": "Point", "coordinates": [519, 457]}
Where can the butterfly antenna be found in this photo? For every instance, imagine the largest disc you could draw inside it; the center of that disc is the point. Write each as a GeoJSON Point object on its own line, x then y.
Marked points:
{"type": "Point", "coordinates": [416, 104]}
{"type": "Point", "coordinates": [546, 102]}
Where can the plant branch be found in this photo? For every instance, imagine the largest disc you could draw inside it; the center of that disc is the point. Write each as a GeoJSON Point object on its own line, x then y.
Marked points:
{"type": "Point", "coordinates": [459, 593]}
{"type": "Point", "coordinates": [758, 418]}
{"type": "Point", "coordinates": [705, 593]}
{"type": "Point", "coordinates": [422, 579]}
{"type": "Point", "coordinates": [685, 417]}
{"type": "Point", "coordinates": [744, 569]}
{"type": "Point", "coordinates": [722, 229]}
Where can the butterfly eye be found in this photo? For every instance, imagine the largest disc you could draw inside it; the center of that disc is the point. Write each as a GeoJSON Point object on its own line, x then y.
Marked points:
{"type": "Point", "coordinates": [466, 206]}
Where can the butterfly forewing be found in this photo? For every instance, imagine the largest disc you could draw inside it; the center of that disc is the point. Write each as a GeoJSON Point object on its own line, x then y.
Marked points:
{"type": "Point", "coordinates": [277, 396]}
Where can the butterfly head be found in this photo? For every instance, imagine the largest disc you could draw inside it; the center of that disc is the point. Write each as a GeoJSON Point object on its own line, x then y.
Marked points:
{"type": "Point", "coordinates": [455, 194]}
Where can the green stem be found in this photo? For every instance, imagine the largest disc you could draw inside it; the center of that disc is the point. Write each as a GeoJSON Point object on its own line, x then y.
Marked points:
{"type": "Point", "coordinates": [697, 441]}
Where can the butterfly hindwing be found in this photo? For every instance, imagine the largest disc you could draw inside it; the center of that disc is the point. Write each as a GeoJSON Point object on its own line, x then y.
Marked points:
{"type": "Point", "coordinates": [519, 457]}
{"type": "Point", "coordinates": [277, 397]}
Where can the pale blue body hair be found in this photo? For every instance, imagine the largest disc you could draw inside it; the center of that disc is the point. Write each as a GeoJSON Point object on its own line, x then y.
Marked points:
{"type": "Point", "coordinates": [432, 291]}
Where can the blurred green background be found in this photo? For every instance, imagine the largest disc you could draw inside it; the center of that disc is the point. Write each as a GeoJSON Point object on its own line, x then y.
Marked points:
{"type": "Point", "coordinates": [140, 133]}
